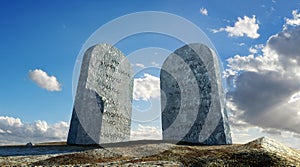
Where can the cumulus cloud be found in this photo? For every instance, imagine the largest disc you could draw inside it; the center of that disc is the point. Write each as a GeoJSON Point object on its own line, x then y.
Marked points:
{"type": "Point", "coordinates": [243, 27]}
{"type": "Point", "coordinates": [265, 88]}
{"type": "Point", "coordinates": [286, 45]}
{"type": "Point", "coordinates": [295, 21]}
{"type": "Point", "coordinates": [252, 50]}
{"type": "Point", "coordinates": [146, 87]}
{"type": "Point", "coordinates": [256, 48]}
{"type": "Point", "coordinates": [204, 11]}
{"type": "Point", "coordinates": [43, 80]}
{"type": "Point", "coordinates": [10, 121]}
{"type": "Point", "coordinates": [14, 131]}
{"type": "Point", "coordinates": [41, 126]}
{"type": "Point", "coordinates": [146, 132]}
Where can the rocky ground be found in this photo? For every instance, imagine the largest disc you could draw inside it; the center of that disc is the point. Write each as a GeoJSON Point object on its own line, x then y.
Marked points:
{"type": "Point", "coordinates": [260, 152]}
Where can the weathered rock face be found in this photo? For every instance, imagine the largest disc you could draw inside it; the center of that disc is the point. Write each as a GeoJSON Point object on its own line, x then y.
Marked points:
{"type": "Point", "coordinates": [261, 152]}
{"type": "Point", "coordinates": [272, 146]}
{"type": "Point", "coordinates": [193, 102]}
{"type": "Point", "coordinates": [102, 108]}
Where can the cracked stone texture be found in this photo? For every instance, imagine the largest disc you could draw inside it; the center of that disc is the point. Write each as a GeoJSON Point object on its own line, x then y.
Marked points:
{"type": "Point", "coordinates": [102, 108]}
{"type": "Point", "coordinates": [192, 97]}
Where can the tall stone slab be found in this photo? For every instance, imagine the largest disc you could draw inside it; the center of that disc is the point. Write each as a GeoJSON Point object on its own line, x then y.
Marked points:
{"type": "Point", "coordinates": [193, 102]}
{"type": "Point", "coordinates": [102, 107]}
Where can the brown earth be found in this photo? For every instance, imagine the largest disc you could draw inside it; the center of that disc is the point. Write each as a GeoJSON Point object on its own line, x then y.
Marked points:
{"type": "Point", "coordinates": [260, 152]}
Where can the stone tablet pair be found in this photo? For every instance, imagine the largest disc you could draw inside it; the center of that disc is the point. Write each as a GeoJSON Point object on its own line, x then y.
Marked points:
{"type": "Point", "coordinates": [193, 104]}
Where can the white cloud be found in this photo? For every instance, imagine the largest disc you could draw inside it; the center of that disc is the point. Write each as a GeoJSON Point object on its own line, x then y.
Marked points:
{"type": "Point", "coordinates": [45, 81]}
{"type": "Point", "coordinates": [10, 121]}
{"type": "Point", "coordinates": [146, 132]}
{"type": "Point", "coordinates": [256, 48]}
{"type": "Point", "coordinates": [13, 131]}
{"type": "Point", "coordinates": [42, 126]}
{"type": "Point", "coordinates": [251, 63]}
{"type": "Point", "coordinates": [266, 87]}
{"type": "Point", "coordinates": [204, 11]}
{"type": "Point", "coordinates": [52, 131]}
{"type": "Point", "coordinates": [140, 65]}
{"type": "Point", "coordinates": [146, 87]}
{"type": "Point", "coordinates": [243, 27]}
{"type": "Point", "coordinates": [252, 50]}
{"type": "Point", "coordinates": [295, 21]}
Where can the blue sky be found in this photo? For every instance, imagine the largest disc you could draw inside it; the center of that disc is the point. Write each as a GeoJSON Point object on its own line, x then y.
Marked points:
{"type": "Point", "coordinates": [49, 35]}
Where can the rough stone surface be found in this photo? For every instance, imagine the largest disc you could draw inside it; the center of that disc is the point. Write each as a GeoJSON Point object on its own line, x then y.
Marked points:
{"type": "Point", "coordinates": [273, 146]}
{"type": "Point", "coordinates": [261, 152]}
{"type": "Point", "coordinates": [193, 102]}
{"type": "Point", "coordinates": [102, 108]}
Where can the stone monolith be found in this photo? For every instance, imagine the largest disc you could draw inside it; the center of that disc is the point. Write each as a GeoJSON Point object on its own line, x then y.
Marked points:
{"type": "Point", "coordinates": [192, 98]}
{"type": "Point", "coordinates": [102, 107]}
